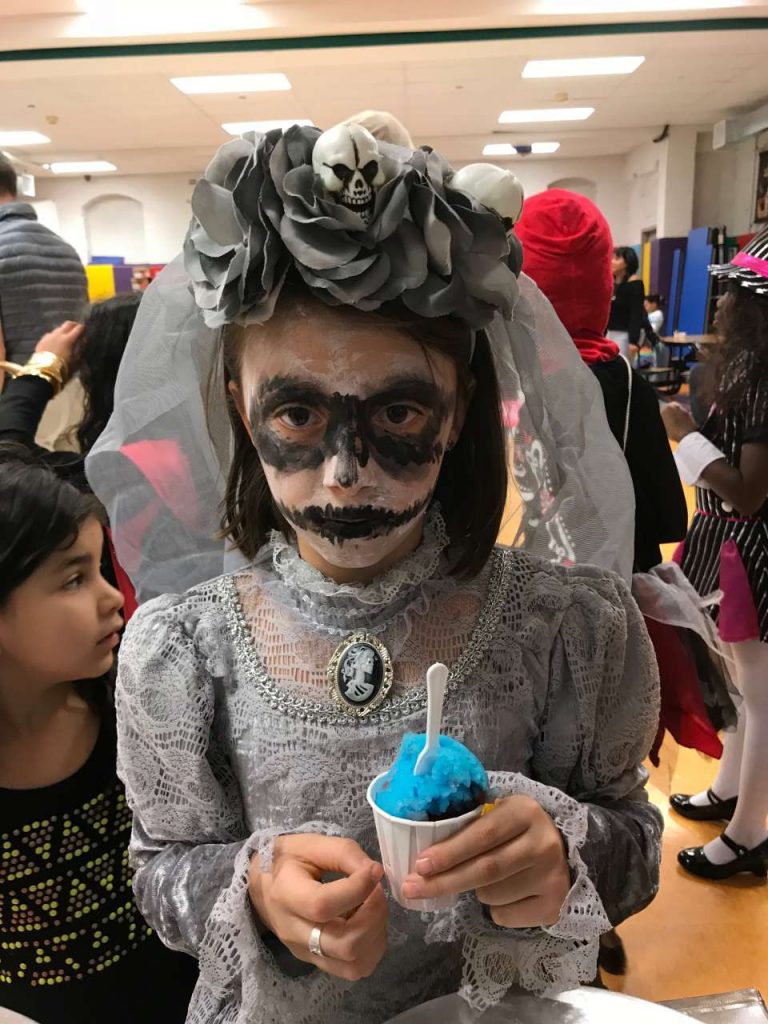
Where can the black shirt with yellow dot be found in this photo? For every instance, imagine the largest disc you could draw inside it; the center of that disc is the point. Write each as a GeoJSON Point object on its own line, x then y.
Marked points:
{"type": "Point", "coordinates": [74, 948]}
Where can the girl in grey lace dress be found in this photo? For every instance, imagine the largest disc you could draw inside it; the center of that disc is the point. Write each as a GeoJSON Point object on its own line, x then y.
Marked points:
{"type": "Point", "coordinates": [365, 491]}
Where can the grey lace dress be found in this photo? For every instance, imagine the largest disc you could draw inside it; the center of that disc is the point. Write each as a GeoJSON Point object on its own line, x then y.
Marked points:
{"type": "Point", "coordinates": [228, 737]}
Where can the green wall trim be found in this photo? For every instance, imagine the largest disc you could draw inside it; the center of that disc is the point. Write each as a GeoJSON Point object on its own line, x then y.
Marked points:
{"type": "Point", "coordinates": [476, 35]}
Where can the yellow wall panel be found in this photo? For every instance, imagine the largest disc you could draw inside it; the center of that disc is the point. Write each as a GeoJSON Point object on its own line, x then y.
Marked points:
{"type": "Point", "coordinates": [101, 281]}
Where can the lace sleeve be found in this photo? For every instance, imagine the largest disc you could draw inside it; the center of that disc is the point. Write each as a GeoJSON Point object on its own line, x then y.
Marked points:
{"type": "Point", "coordinates": [600, 720]}
{"type": "Point", "coordinates": [598, 723]}
{"type": "Point", "coordinates": [187, 816]}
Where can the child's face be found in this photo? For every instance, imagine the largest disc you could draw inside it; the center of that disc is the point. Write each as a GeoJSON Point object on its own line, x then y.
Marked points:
{"type": "Point", "coordinates": [351, 424]}
{"type": "Point", "coordinates": [650, 307]}
{"type": "Point", "coordinates": [62, 623]}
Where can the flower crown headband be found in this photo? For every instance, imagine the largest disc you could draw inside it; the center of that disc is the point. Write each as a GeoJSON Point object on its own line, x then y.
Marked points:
{"type": "Point", "coordinates": [362, 223]}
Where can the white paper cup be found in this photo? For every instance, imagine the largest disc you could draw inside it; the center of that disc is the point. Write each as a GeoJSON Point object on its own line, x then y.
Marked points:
{"type": "Point", "coordinates": [401, 841]}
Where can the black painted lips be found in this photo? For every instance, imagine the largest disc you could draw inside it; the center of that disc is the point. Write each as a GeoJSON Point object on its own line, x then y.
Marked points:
{"type": "Point", "coordinates": [353, 522]}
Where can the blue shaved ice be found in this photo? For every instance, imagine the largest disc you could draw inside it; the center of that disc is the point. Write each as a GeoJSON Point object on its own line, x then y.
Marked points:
{"type": "Point", "coordinates": [455, 784]}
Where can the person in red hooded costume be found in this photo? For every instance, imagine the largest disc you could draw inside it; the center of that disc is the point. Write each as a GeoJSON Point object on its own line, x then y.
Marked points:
{"type": "Point", "coordinates": [567, 249]}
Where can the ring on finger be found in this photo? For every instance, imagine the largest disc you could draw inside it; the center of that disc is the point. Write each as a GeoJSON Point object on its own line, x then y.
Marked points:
{"type": "Point", "coordinates": [314, 945]}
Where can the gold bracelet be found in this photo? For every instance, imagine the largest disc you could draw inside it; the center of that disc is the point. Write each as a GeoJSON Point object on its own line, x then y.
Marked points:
{"type": "Point", "coordinates": [49, 363]}
{"type": "Point", "coordinates": [12, 369]}
{"type": "Point", "coordinates": [46, 369]}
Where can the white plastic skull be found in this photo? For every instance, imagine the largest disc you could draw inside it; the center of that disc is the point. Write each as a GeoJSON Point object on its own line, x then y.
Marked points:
{"type": "Point", "coordinates": [347, 160]}
{"type": "Point", "coordinates": [494, 187]}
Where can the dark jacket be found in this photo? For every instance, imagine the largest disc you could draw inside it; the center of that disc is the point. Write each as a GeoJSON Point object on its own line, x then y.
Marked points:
{"type": "Point", "coordinates": [661, 514]}
{"type": "Point", "coordinates": [627, 310]}
{"type": "Point", "coordinates": [42, 281]}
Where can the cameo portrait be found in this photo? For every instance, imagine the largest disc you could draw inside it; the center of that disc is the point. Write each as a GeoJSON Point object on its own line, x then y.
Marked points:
{"type": "Point", "coordinates": [360, 673]}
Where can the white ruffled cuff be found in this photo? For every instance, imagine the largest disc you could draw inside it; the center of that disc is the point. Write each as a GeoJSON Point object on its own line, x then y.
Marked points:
{"type": "Point", "coordinates": [692, 456]}
{"type": "Point", "coordinates": [237, 966]}
{"type": "Point", "coordinates": [543, 960]}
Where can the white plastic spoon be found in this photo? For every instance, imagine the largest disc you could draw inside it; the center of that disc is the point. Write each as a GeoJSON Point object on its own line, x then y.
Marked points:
{"type": "Point", "coordinates": [437, 678]}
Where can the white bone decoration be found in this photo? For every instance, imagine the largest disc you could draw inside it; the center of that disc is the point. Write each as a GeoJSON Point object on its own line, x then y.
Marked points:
{"type": "Point", "coordinates": [347, 160]}
{"type": "Point", "coordinates": [494, 187]}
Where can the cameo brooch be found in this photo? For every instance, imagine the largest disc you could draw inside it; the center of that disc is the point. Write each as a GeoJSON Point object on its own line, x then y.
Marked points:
{"type": "Point", "coordinates": [360, 674]}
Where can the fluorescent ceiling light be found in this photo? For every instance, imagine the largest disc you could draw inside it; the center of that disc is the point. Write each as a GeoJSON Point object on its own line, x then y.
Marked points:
{"type": "Point", "coordinates": [241, 127]}
{"type": "Point", "coordinates": [208, 84]}
{"type": "Point", "coordinates": [146, 18]}
{"type": "Point", "coordinates": [572, 7]}
{"type": "Point", "coordinates": [22, 139]}
{"type": "Point", "coordinates": [507, 149]}
{"type": "Point", "coordinates": [499, 149]}
{"type": "Point", "coordinates": [80, 166]}
{"type": "Point", "coordinates": [545, 114]}
{"type": "Point", "coordinates": [581, 66]}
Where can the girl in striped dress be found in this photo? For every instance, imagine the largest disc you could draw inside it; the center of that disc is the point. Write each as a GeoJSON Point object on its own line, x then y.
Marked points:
{"type": "Point", "coordinates": [727, 549]}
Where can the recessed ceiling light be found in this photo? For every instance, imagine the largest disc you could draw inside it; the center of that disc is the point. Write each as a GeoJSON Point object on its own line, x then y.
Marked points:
{"type": "Point", "coordinates": [80, 166]}
{"type": "Point", "coordinates": [22, 139]}
{"type": "Point", "coordinates": [112, 18]}
{"type": "Point", "coordinates": [625, 6]}
{"type": "Point", "coordinates": [499, 149]}
{"type": "Point", "coordinates": [545, 114]}
{"type": "Point", "coordinates": [208, 84]}
{"type": "Point", "coordinates": [581, 66]}
{"type": "Point", "coordinates": [241, 127]}
{"type": "Point", "coordinates": [507, 149]}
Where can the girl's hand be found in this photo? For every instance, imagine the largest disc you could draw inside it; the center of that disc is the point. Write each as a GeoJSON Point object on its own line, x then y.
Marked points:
{"type": "Point", "coordinates": [678, 421]}
{"type": "Point", "coordinates": [513, 858]}
{"type": "Point", "coordinates": [352, 912]}
{"type": "Point", "coordinates": [61, 341]}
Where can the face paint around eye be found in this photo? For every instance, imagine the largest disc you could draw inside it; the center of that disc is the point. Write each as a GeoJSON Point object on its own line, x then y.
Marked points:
{"type": "Point", "coordinates": [354, 429]}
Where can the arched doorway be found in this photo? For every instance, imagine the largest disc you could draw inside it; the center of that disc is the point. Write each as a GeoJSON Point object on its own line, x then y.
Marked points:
{"type": "Point", "coordinates": [114, 226]}
{"type": "Point", "coordinates": [584, 186]}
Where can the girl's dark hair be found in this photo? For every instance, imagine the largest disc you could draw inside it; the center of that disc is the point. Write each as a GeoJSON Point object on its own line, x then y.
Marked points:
{"type": "Point", "coordinates": [472, 485]}
{"type": "Point", "coordinates": [101, 349]}
{"type": "Point", "coordinates": [741, 358]}
{"type": "Point", "coordinates": [41, 514]}
{"type": "Point", "coordinates": [624, 252]}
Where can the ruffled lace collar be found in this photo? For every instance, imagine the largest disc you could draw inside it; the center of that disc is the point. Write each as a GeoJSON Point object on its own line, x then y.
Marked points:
{"type": "Point", "coordinates": [345, 607]}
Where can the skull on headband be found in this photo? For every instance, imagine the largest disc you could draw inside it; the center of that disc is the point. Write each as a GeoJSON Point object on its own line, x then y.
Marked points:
{"type": "Point", "coordinates": [499, 190]}
{"type": "Point", "coordinates": [347, 161]}
{"type": "Point", "coordinates": [495, 188]}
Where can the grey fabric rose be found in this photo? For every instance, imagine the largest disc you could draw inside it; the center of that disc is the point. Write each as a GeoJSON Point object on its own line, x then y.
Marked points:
{"type": "Point", "coordinates": [260, 209]}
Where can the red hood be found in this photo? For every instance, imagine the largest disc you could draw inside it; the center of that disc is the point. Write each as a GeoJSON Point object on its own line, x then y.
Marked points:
{"type": "Point", "coordinates": [567, 249]}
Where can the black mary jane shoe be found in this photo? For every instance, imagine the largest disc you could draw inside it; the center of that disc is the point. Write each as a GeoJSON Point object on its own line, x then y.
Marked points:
{"type": "Point", "coordinates": [695, 861]}
{"type": "Point", "coordinates": [715, 810]}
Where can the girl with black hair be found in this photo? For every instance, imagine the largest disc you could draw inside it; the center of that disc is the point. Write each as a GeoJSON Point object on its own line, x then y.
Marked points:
{"type": "Point", "coordinates": [727, 549]}
{"type": "Point", "coordinates": [364, 489]}
{"type": "Point", "coordinates": [96, 350]}
{"type": "Point", "coordinates": [628, 315]}
{"type": "Point", "coordinates": [74, 948]}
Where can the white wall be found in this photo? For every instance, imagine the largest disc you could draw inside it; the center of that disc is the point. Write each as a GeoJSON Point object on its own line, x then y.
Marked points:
{"type": "Point", "coordinates": [627, 187]}
{"type": "Point", "coordinates": [164, 198]}
{"type": "Point", "coordinates": [607, 172]}
{"type": "Point", "coordinates": [641, 195]}
{"type": "Point", "coordinates": [726, 182]}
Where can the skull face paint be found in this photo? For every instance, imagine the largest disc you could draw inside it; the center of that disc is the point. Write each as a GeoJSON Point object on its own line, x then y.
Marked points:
{"type": "Point", "coordinates": [349, 428]}
{"type": "Point", "coordinates": [351, 450]}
